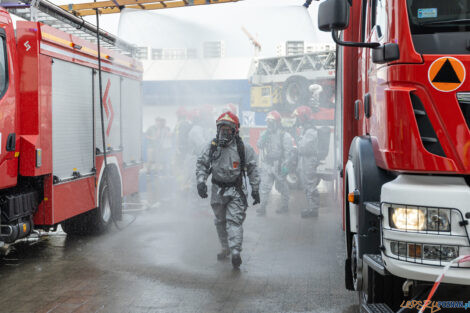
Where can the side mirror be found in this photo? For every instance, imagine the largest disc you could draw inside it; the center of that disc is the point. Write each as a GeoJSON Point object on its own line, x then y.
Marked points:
{"type": "Point", "coordinates": [386, 53]}
{"type": "Point", "coordinates": [333, 15]}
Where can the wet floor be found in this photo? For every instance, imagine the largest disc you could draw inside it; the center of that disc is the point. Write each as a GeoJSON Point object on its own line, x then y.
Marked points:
{"type": "Point", "coordinates": [166, 262]}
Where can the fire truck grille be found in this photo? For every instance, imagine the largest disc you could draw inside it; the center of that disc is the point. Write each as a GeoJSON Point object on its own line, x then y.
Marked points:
{"type": "Point", "coordinates": [426, 131]}
{"type": "Point", "coordinates": [464, 102]}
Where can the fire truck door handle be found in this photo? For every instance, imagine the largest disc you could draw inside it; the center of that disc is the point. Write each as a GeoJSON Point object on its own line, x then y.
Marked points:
{"type": "Point", "coordinates": [367, 105]}
{"type": "Point", "coordinates": [11, 142]}
{"type": "Point", "coordinates": [357, 103]}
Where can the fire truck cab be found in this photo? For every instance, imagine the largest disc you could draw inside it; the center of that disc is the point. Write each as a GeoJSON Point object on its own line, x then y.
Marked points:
{"type": "Point", "coordinates": [403, 112]}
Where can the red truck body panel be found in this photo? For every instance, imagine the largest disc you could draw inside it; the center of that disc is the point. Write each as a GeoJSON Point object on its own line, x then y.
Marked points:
{"type": "Point", "coordinates": [26, 110]}
{"type": "Point", "coordinates": [392, 125]}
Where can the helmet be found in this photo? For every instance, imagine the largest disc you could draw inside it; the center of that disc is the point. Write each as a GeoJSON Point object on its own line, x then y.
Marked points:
{"type": "Point", "coordinates": [273, 115]}
{"type": "Point", "coordinates": [226, 135]}
{"type": "Point", "coordinates": [273, 120]}
{"type": "Point", "coordinates": [228, 118]}
{"type": "Point", "coordinates": [303, 114]}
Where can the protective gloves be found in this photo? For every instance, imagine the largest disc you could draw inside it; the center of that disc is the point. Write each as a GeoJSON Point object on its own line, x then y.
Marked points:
{"type": "Point", "coordinates": [202, 190]}
{"type": "Point", "coordinates": [255, 196]}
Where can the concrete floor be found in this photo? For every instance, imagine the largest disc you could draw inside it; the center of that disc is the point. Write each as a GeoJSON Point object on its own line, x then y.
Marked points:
{"type": "Point", "coordinates": [166, 262]}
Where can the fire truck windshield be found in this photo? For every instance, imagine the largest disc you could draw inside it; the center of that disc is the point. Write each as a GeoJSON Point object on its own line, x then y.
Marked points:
{"type": "Point", "coordinates": [436, 16]}
{"type": "Point", "coordinates": [438, 26]}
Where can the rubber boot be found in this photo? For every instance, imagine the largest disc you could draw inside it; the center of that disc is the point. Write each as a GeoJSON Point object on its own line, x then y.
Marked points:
{"type": "Point", "coordinates": [224, 254]}
{"type": "Point", "coordinates": [236, 260]}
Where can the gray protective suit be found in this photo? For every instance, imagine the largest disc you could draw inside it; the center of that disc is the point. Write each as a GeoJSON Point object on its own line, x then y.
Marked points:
{"type": "Point", "coordinates": [308, 146]}
{"type": "Point", "coordinates": [228, 204]}
{"type": "Point", "coordinates": [277, 150]}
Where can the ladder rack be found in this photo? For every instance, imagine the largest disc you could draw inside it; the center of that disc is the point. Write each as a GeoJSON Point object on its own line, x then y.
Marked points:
{"type": "Point", "coordinates": [48, 13]}
{"type": "Point", "coordinates": [314, 65]}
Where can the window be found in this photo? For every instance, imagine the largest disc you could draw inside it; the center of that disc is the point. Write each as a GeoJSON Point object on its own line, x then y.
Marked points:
{"type": "Point", "coordinates": [3, 65]}
{"type": "Point", "coordinates": [379, 17]}
{"type": "Point", "coordinates": [439, 16]}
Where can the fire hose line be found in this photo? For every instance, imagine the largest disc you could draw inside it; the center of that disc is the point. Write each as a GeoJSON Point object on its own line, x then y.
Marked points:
{"type": "Point", "coordinates": [459, 260]}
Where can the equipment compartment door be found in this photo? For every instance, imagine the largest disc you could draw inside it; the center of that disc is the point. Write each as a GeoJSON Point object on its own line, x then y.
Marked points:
{"type": "Point", "coordinates": [72, 119]}
{"type": "Point", "coordinates": [111, 96]}
{"type": "Point", "coordinates": [131, 120]}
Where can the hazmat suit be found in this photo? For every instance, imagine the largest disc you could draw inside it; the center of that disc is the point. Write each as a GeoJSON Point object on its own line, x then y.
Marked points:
{"type": "Point", "coordinates": [227, 158]}
{"type": "Point", "coordinates": [277, 159]}
{"type": "Point", "coordinates": [308, 160]}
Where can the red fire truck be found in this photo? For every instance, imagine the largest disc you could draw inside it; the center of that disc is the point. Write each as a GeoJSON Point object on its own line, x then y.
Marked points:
{"type": "Point", "coordinates": [403, 117]}
{"type": "Point", "coordinates": [51, 152]}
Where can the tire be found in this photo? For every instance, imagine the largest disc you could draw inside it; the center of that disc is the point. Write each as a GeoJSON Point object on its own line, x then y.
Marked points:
{"type": "Point", "coordinates": [356, 264]}
{"type": "Point", "coordinates": [101, 217]}
{"type": "Point", "coordinates": [99, 220]}
{"type": "Point", "coordinates": [348, 236]}
{"type": "Point", "coordinates": [294, 93]}
{"type": "Point", "coordinates": [348, 278]}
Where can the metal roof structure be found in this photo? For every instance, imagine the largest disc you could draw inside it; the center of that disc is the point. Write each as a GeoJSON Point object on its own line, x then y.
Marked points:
{"type": "Point", "coordinates": [115, 6]}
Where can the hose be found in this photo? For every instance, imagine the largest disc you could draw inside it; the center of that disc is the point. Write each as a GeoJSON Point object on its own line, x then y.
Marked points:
{"type": "Point", "coordinates": [103, 137]}
{"type": "Point", "coordinates": [459, 260]}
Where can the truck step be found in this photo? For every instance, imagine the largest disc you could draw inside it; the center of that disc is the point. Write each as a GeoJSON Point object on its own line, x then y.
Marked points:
{"type": "Point", "coordinates": [373, 207]}
{"type": "Point", "coordinates": [376, 308]}
{"type": "Point", "coordinates": [375, 262]}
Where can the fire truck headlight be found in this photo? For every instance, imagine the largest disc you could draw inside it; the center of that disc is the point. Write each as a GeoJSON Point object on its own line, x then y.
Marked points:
{"type": "Point", "coordinates": [439, 220]}
{"type": "Point", "coordinates": [408, 218]}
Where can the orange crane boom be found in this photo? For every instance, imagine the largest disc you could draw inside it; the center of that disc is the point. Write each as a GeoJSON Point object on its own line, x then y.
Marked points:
{"type": "Point", "coordinates": [115, 6]}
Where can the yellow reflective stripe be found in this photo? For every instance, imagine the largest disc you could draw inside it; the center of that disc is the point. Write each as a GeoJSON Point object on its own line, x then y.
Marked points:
{"type": "Point", "coordinates": [68, 43]}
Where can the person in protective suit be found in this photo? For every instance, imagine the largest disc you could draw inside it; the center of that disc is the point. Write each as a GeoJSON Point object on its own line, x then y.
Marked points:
{"type": "Point", "coordinates": [228, 160]}
{"type": "Point", "coordinates": [277, 159]}
{"type": "Point", "coordinates": [308, 159]}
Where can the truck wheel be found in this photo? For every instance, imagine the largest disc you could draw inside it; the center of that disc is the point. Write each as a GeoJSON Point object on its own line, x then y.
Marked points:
{"type": "Point", "coordinates": [98, 220]}
{"type": "Point", "coordinates": [294, 93]}
{"type": "Point", "coordinates": [110, 202]}
{"type": "Point", "coordinates": [102, 214]}
{"type": "Point", "coordinates": [348, 237]}
{"type": "Point", "coordinates": [356, 264]}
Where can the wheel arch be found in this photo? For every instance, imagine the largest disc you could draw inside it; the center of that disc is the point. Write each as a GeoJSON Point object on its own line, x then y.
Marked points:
{"type": "Point", "coordinates": [113, 166]}
{"type": "Point", "coordinates": [368, 180]}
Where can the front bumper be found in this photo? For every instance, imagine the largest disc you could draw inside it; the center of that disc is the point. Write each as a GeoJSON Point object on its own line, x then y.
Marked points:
{"type": "Point", "coordinates": [413, 271]}
{"type": "Point", "coordinates": [427, 191]}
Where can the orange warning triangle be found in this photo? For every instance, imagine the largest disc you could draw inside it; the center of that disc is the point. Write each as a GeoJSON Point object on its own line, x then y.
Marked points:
{"type": "Point", "coordinates": [446, 74]}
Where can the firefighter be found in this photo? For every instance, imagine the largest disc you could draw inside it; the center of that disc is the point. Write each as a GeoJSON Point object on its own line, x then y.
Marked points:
{"type": "Point", "coordinates": [308, 161]}
{"type": "Point", "coordinates": [277, 149]}
{"type": "Point", "coordinates": [228, 160]}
